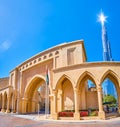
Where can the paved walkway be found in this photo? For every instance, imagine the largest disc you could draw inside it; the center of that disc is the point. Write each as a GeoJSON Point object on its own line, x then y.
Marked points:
{"type": "Point", "coordinates": [13, 120]}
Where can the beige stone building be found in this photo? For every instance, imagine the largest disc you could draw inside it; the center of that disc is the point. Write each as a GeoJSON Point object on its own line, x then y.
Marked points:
{"type": "Point", "coordinates": [68, 89]}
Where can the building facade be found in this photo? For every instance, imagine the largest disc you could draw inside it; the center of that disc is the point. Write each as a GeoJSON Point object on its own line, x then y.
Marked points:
{"type": "Point", "coordinates": [68, 90]}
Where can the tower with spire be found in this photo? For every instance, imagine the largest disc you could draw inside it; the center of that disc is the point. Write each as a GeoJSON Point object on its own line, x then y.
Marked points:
{"type": "Point", "coordinates": [107, 56]}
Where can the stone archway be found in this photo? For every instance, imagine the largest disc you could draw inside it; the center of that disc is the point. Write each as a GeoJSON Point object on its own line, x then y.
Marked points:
{"type": "Point", "coordinates": [110, 80]}
{"type": "Point", "coordinates": [65, 93]}
{"type": "Point", "coordinates": [87, 92]}
{"type": "Point", "coordinates": [32, 97]}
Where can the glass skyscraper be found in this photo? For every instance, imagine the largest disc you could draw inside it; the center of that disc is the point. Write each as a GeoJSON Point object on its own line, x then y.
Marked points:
{"type": "Point", "coordinates": [108, 86]}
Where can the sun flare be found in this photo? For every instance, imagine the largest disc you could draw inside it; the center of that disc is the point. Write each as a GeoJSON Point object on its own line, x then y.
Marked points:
{"type": "Point", "coordinates": [102, 18]}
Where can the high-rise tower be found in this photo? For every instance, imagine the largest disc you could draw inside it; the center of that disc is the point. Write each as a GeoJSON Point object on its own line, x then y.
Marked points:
{"type": "Point", "coordinates": [107, 56]}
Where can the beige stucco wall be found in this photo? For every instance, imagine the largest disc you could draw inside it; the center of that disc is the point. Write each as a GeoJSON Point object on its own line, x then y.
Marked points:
{"type": "Point", "coordinates": [4, 82]}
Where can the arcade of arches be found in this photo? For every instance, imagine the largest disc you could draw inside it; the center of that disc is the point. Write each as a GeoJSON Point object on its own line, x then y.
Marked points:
{"type": "Point", "coordinates": [70, 77]}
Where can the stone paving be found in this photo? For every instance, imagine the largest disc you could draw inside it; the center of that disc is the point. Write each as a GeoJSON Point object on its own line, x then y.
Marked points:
{"type": "Point", "coordinates": [13, 120]}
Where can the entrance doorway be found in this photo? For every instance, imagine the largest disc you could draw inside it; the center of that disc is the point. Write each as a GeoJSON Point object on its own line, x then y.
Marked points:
{"type": "Point", "coordinates": [35, 95]}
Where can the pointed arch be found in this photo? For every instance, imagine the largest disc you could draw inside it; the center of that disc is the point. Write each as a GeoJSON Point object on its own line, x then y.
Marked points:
{"type": "Point", "coordinates": [112, 76]}
{"type": "Point", "coordinates": [65, 90]}
{"type": "Point", "coordinates": [84, 76]}
{"type": "Point", "coordinates": [87, 93]}
{"type": "Point", "coordinates": [30, 87]}
{"type": "Point", "coordinates": [62, 79]}
{"type": "Point", "coordinates": [31, 95]}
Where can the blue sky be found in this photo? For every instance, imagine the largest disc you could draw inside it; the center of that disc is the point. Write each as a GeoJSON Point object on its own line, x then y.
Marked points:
{"type": "Point", "coordinates": [28, 27]}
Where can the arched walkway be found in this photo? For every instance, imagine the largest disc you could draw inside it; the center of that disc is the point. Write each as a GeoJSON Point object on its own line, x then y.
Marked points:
{"type": "Point", "coordinates": [34, 95]}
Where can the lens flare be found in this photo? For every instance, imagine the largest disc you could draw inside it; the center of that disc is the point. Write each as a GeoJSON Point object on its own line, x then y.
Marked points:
{"type": "Point", "coordinates": [102, 18]}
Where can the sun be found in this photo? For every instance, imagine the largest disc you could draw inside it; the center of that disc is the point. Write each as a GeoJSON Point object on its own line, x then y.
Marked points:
{"type": "Point", "coordinates": [102, 18]}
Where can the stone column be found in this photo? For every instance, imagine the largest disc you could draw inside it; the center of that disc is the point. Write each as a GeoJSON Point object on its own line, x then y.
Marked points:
{"type": "Point", "coordinates": [118, 101]}
{"type": "Point", "coordinates": [8, 105]}
{"type": "Point", "coordinates": [12, 107]}
{"type": "Point", "coordinates": [17, 111]}
{"type": "Point", "coordinates": [60, 96]}
{"type": "Point", "coordinates": [101, 113]}
{"type": "Point", "coordinates": [55, 115]}
{"type": "Point", "coordinates": [24, 105]}
{"type": "Point", "coordinates": [3, 105]}
{"type": "Point", "coordinates": [76, 114]}
{"type": "Point", "coordinates": [13, 104]}
{"type": "Point", "coordinates": [19, 91]}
